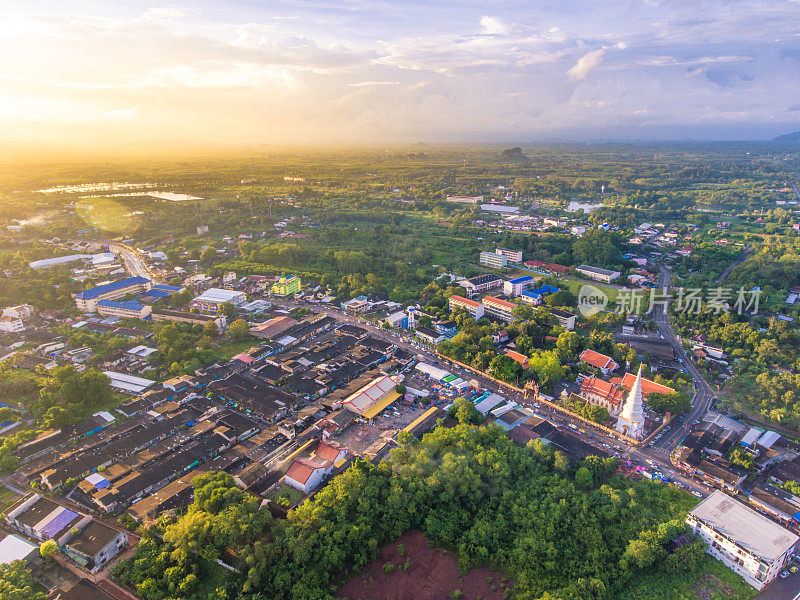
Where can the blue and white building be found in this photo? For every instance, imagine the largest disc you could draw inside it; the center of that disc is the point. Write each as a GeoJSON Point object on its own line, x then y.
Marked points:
{"type": "Point", "coordinates": [515, 287]}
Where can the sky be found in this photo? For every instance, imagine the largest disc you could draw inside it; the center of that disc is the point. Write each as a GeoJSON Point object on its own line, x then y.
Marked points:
{"type": "Point", "coordinates": [287, 72]}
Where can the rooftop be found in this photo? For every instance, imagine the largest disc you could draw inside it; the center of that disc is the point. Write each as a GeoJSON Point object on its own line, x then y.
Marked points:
{"type": "Point", "coordinates": [218, 295]}
{"type": "Point", "coordinates": [110, 287]}
{"type": "Point", "coordinates": [743, 525]}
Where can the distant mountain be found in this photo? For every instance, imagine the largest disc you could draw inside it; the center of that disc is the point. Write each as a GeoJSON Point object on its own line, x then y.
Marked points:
{"type": "Point", "coordinates": [513, 155]}
{"type": "Point", "coordinates": [788, 138]}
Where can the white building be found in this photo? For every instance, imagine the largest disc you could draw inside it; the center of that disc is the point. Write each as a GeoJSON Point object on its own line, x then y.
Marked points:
{"type": "Point", "coordinates": [515, 287]}
{"type": "Point", "coordinates": [631, 419]}
{"type": "Point", "coordinates": [213, 298]}
{"type": "Point", "coordinates": [11, 324]}
{"type": "Point", "coordinates": [598, 274]}
{"type": "Point", "coordinates": [473, 308]}
{"type": "Point", "coordinates": [513, 256]}
{"type": "Point", "coordinates": [747, 542]}
{"type": "Point", "coordinates": [21, 311]}
{"type": "Point", "coordinates": [490, 259]}
{"type": "Point", "coordinates": [465, 199]}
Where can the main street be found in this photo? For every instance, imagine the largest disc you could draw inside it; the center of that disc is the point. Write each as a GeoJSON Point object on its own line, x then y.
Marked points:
{"type": "Point", "coordinates": [134, 263]}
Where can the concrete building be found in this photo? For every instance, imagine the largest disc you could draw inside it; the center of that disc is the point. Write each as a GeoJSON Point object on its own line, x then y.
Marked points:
{"type": "Point", "coordinates": [480, 284]}
{"type": "Point", "coordinates": [21, 311]}
{"type": "Point", "coordinates": [473, 308]}
{"type": "Point", "coordinates": [742, 539]}
{"type": "Point", "coordinates": [495, 261]}
{"type": "Point", "coordinates": [287, 286]}
{"type": "Point", "coordinates": [11, 324]}
{"type": "Point", "coordinates": [131, 308]}
{"type": "Point", "coordinates": [565, 319]}
{"type": "Point", "coordinates": [183, 316]}
{"type": "Point", "coordinates": [515, 287]}
{"type": "Point", "coordinates": [631, 419]}
{"type": "Point", "coordinates": [513, 256]}
{"type": "Point", "coordinates": [502, 309]}
{"type": "Point", "coordinates": [87, 300]}
{"type": "Point", "coordinates": [465, 199]}
{"type": "Point", "coordinates": [213, 298]}
{"type": "Point", "coordinates": [94, 545]}
{"type": "Point", "coordinates": [537, 296]}
{"type": "Point", "coordinates": [598, 274]}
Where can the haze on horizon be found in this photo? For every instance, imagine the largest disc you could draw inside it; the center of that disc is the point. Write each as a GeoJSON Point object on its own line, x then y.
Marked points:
{"type": "Point", "coordinates": [105, 75]}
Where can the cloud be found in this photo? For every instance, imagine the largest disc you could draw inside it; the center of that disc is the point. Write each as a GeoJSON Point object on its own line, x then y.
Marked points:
{"type": "Point", "coordinates": [371, 83]}
{"type": "Point", "coordinates": [586, 63]}
{"type": "Point", "coordinates": [493, 26]}
{"type": "Point", "coordinates": [121, 113]}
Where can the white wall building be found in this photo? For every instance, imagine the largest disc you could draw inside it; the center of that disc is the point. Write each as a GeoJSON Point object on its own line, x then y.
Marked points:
{"type": "Point", "coordinates": [744, 540]}
{"type": "Point", "coordinates": [513, 256]}
{"type": "Point", "coordinates": [490, 259]}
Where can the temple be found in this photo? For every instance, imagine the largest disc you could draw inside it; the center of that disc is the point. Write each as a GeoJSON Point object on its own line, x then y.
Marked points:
{"type": "Point", "coordinates": [631, 419]}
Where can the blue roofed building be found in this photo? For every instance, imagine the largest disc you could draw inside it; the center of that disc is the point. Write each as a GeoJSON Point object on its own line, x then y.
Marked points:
{"type": "Point", "coordinates": [87, 300]}
{"type": "Point", "coordinates": [537, 296]}
{"type": "Point", "coordinates": [514, 287]}
{"type": "Point", "coordinates": [130, 308]}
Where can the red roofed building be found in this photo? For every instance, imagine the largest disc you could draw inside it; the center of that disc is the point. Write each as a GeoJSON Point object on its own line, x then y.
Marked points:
{"type": "Point", "coordinates": [600, 361]}
{"type": "Point", "coordinates": [520, 358]}
{"type": "Point", "coordinates": [648, 386]}
{"type": "Point", "coordinates": [330, 452]}
{"type": "Point", "coordinates": [602, 393]}
{"type": "Point", "coordinates": [501, 309]}
{"type": "Point", "coordinates": [305, 474]}
{"type": "Point", "coordinates": [460, 303]}
{"type": "Point", "coordinates": [545, 266]}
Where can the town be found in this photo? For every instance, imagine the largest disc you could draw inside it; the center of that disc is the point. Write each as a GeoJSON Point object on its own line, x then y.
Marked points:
{"type": "Point", "coordinates": [199, 387]}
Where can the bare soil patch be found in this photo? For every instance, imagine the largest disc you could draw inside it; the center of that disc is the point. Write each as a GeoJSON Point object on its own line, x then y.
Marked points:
{"type": "Point", "coordinates": [420, 572]}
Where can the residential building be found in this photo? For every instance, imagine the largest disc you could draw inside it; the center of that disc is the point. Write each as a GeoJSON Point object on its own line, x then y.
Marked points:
{"type": "Point", "coordinates": [480, 284]}
{"type": "Point", "coordinates": [21, 311]}
{"type": "Point", "coordinates": [128, 383]}
{"type": "Point", "coordinates": [500, 208]}
{"type": "Point", "coordinates": [305, 474]}
{"type": "Point", "coordinates": [15, 547]}
{"type": "Point", "coordinates": [130, 308]}
{"type": "Point", "coordinates": [429, 335]}
{"type": "Point", "coordinates": [597, 273]}
{"type": "Point", "coordinates": [94, 545]}
{"type": "Point", "coordinates": [742, 539]}
{"type": "Point", "coordinates": [502, 309]}
{"type": "Point", "coordinates": [87, 300]}
{"type": "Point", "coordinates": [515, 287]}
{"type": "Point", "coordinates": [213, 298]}
{"type": "Point", "coordinates": [565, 319]}
{"type": "Point", "coordinates": [273, 327]}
{"type": "Point", "coordinates": [460, 303]}
{"type": "Point", "coordinates": [495, 261]}
{"type": "Point", "coordinates": [287, 286]}
{"type": "Point", "coordinates": [43, 519]}
{"type": "Point", "coordinates": [513, 256]}
{"type": "Point", "coordinates": [606, 364]}
{"type": "Point", "coordinates": [11, 324]}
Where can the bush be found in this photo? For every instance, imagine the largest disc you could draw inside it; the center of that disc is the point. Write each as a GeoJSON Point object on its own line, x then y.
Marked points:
{"type": "Point", "coordinates": [388, 567]}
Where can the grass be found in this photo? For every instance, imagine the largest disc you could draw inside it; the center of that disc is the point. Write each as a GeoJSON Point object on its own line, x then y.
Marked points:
{"type": "Point", "coordinates": [7, 498]}
{"type": "Point", "coordinates": [656, 585]}
{"type": "Point", "coordinates": [286, 491]}
{"type": "Point", "coordinates": [227, 349]}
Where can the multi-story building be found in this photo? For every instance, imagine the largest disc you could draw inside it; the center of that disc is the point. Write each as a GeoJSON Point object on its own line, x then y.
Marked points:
{"type": "Point", "coordinates": [87, 299]}
{"type": "Point", "coordinates": [515, 287]}
{"type": "Point", "coordinates": [287, 286]}
{"type": "Point", "coordinates": [473, 308]}
{"type": "Point", "coordinates": [480, 284]}
{"type": "Point", "coordinates": [213, 298]}
{"type": "Point", "coordinates": [465, 199]}
{"type": "Point", "coordinates": [495, 261]}
{"type": "Point", "coordinates": [598, 274]}
{"type": "Point", "coordinates": [513, 256]}
{"type": "Point", "coordinates": [94, 545]}
{"type": "Point", "coordinates": [131, 308]}
{"type": "Point", "coordinates": [11, 324]}
{"type": "Point", "coordinates": [744, 540]}
{"type": "Point", "coordinates": [565, 319]}
{"type": "Point", "coordinates": [184, 316]}
{"type": "Point", "coordinates": [21, 311]}
{"type": "Point", "coordinates": [502, 309]}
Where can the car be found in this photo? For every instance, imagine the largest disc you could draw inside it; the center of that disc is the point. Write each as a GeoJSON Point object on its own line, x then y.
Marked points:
{"type": "Point", "coordinates": [784, 574]}
{"type": "Point", "coordinates": [697, 494]}
{"type": "Point", "coordinates": [794, 569]}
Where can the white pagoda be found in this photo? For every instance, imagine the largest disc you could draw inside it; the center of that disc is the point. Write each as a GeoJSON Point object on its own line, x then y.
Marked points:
{"type": "Point", "coordinates": [631, 419]}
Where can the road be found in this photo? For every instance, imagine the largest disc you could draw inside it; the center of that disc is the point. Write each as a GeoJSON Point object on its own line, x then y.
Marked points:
{"type": "Point", "coordinates": [133, 261]}
{"type": "Point", "coordinates": [703, 393]}
{"type": "Point", "coordinates": [741, 258]}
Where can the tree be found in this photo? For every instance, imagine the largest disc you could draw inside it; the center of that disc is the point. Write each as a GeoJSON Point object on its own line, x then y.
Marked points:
{"type": "Point", "coordinates": [567, 345]}
{"type": "Point", "coordinates": [227, 309]}
{"type": "Point", "coordinates": [239, 331]}
{"type": "Point", "coordinates": [505, 368]}
{"type": "Point", "coordinates": [48, 548]}
{"type": "Point", "coordinates": [210, 327]}
{"type": "Point", "coordinates": [561, 298]}
{"type": "Point", "coordinates": [17, 583]}
{"type": "Point", "coordinates": [208, 256]}
{"type": "Point", "coordinates": [465, 412]}
{"type": "Point", "coordinates": [675, 403]}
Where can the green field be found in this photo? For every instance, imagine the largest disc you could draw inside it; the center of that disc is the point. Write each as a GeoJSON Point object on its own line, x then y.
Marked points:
{"type": "Point", "coordinates": [7, 498]}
